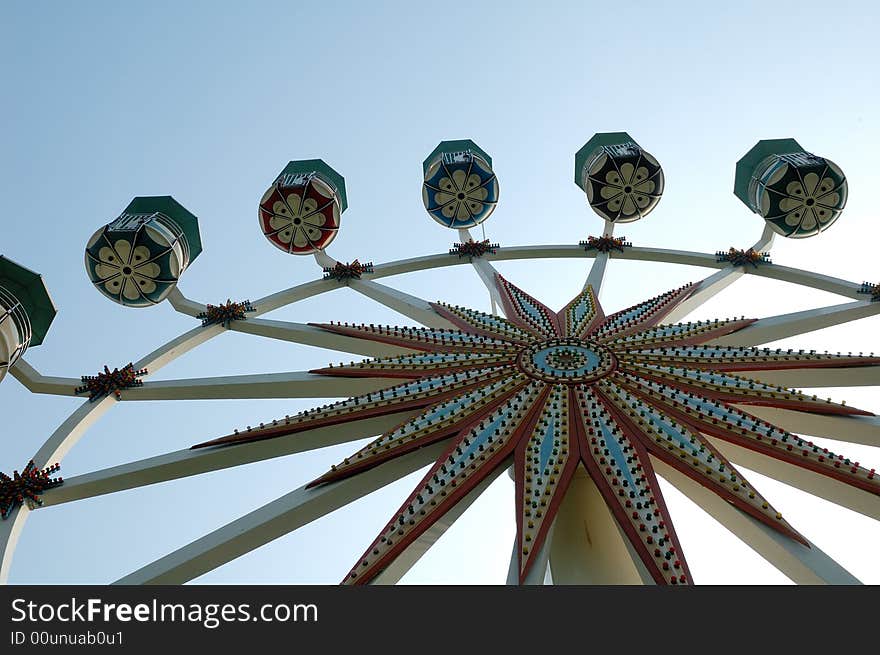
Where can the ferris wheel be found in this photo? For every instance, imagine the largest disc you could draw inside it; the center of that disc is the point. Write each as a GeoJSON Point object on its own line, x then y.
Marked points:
{"type": "Point", "coordinates": [584, 410]}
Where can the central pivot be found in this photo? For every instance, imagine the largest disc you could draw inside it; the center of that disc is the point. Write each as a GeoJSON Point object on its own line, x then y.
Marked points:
{"type": "Point", "coordinates": [567, 360]}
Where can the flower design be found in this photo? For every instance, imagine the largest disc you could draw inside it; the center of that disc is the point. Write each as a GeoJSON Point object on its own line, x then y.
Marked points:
{"type": "Point", "coordinates": [461, 196]}
{"type": "Point", "coordinates": [800, 194]}
{"type": "Point", "coordinates": [628, 189]}
{"type": "Point", "coordinates": [300, 218]}
{"type": "Point", "coordinates": [460, 193]}
{"type": "Point", "coordinates": [624, 183]}
{"type": "Point", "coordinates": [810, 203]}
{"type": "Point", "coordinates": [551, 392]}
{"type": "Point", "coordinates": [125, 271]}
{"type": "Point", "coordinates": [296, 220]}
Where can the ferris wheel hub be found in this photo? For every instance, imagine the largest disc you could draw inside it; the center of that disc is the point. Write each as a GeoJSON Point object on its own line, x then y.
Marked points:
{"type": "Point", "coordinates": [568, 361]}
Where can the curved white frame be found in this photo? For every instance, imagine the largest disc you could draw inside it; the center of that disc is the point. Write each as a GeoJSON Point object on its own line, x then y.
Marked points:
{"type": "Point", "coordinates": [304, 505]}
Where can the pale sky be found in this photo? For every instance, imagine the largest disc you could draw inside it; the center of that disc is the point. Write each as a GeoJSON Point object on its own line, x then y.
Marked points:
{"type": "Point", "coordinates": [207, 101]}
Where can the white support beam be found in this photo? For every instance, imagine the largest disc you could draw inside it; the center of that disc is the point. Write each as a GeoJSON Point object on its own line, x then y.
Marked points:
{"type": "Point", "coordinates": [298, 384]}
{"type": "Point", "coordinates": [414, 552]}
{"type": "Point", "coordinates": [814, 483]}
{"type": "Point", "coordinates": [183, 304]}
{"type": "Point", "coordinates": [801, 564]}
{"type": "Point", "coordinates": [72, 429]}
{"type": "Point", "coordinates": [56, 446]}
{"type": "Point", "coordinates": [588, 547]}
{"type": "Point", "coordinates": [403, 303]}
{"type": "Point", "coordinates": [717, 282]}
{"type": "Point", "coordinates": [167, 353]}
{"type": "Point", "coordinates": [313, 336]}
{"type": "Point", "coordinates": [783, 326]}
{"type": "Point", "coordinates": [856, 376]}
{"type": "Point", "coordinates": [537, 575]}
{"type": "Point", "coordinates": [864, 430]}
{"type": "Point", "coordinates": [706, 290]}
{"type": "Point", "coordinates": [600, 263]}
{"type": "Point", "coordinates": [274, 520]}
{"type": "Point", "coordinates": [289, 296]}
{"type": "Point", "coordinates": [37, 383]}
{"type": "Point", "coordinates": [189, 462]}
{"type": "Point", "coordinates": [486, 273]}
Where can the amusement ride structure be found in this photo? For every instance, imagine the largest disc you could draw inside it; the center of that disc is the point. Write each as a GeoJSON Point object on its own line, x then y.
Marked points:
{"type": "Point", "coordinates": [584, 409]}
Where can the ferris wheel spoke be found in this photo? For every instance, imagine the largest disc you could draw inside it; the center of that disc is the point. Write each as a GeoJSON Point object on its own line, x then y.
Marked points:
{"type": "Point", "coordinates": [183, 304]}
{"type": "Point", "coordinates": [35, 382]}
{"type": "Point", "coordinates": [410, 306]}
{"type": "Point", "coordinates": [537, 573]}
{"type": "Point", "coordinates": [788, 325]}
{"type": "Point", "coordinates": [864, 430]}
{"type": "Point", "coordinates": [55, 447]}
{"type": "Point", "coordinates": [297, 384]}
{"type": "Point", "coordinates": [597, 270]}
{"type": "Point", "coordinates": [181, 345]}
{"type": "Point", "coordinates": [423, 543]}
{"type": "Point", "coordinates": [854, 376]}
{"type": "Point", "coordinates": [476, 451]}
{"type": "Point", "coordinates": [800, 477]}
{"type": "Point", "coordinates": [314, 336]}
{"type": "Point", "coordinates": [274, 520]}
{"type": "Point", "coordinates": [291, 295]}
{"type": "Point", "coordinates": [486, 272]}
{"type": "Point", "coordinates": [706, 289]}
{"type": "Point", "coordinates": [802, 564]}
{"type": "Point", "coordinates": [189, 462]}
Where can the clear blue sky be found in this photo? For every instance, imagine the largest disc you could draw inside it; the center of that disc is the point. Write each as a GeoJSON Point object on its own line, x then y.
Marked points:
{"type": "Point", "coordinates": [207, 101]}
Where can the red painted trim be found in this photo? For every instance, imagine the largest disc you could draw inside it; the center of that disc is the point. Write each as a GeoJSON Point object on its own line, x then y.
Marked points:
{"type": "Point", "coordinates": [568, 469]}
{"type": "Point", "coordinates": [790, 365]}
{"type": "Point", "coordinates": [692, 340]}
{"type": "Point", "coordinates": [706, 427]}
{"type": "Point", "coordinates": [652, 319]}
{"type": "Point", "coordinates": [460, 491]}
{"type": "Point", "coordinates": [271, 432]}
{"type": "Point", "coordinates": [598, 316]}
{"type": "Point", "coordinates": [513, 314]}
{"type": "Point", "coordinates": [809, 406]}
{"type": "Point", "coordinates": [651, 480]}
{"type": "Point", "coordinates": [448, 431]}
{"type": "Point", "coordinates": [473, 329]}
{"type": "Point", "coordinates": [675, 462]}
{"type": "Point", "coordinates": [413, 344]}
{"type": "Point", "coordinates": [347, 371]}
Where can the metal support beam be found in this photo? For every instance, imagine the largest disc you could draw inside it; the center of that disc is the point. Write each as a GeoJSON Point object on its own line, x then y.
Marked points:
{"type": "Point", "coordinates": [600, 263]}
{"type": "Point", "coordinates": [407, 559]}
{"type": "Point", "coordinates": [298, 384]}
{"type": "Point", "coordinates": [274, 520]}
{"type": "Point", "coordinates": [310, 335]}
{"type": "Point", "coordinates": [403, 303]}
{"type": "Point", "coordinates": [801, 564]}
{"type": "Point", "coordinates": [186, 463]}
{"type": "Point", "coordinates": [814, 483]}
{"type": "Point", "coordinates": [783, 326]}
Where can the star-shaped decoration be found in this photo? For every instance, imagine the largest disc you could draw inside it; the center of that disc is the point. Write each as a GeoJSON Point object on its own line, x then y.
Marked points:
{"type": "Point", "coordinates": [605, 243]}
{"type": "Point", "coordinates": [352, 271]}
{"type": "Point", "coordinates": [471, 248]}
{"type": "Point", "coordinates": [551, 392]}
{"type": "Point", "coordinates": [872, 290]}
{"type": "Point", "coordinates": [107, 382]}
{"type": "Point", "coordinates": [743, 257]}
{"type": "Point", "coordinates": [224, 313]}
{"type": "Point", "coordinates": [26, 487]}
